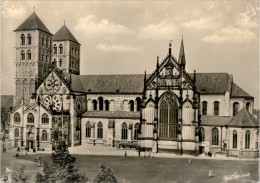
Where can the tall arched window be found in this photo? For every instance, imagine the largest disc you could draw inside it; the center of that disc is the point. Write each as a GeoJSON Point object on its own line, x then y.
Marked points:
{"type": "Point", "coordinates": [234, 139]}
{"type": "Point", "coordinates": [16, 132]}
{"type": "Point", "coordinates": [17, 117]}
{"type": "Point", "coordinates": [136, 128]}
{"type": "Point", "coordinates": [44, 135]}
{"type": "Point", "coordinates": [45, 119]}
{"type": "Point", "coordinates": [132, 105]}
{"type": "Point", "coordinates": [29, 39]}
{"type": "Point", "coordinates": [248, 106]}
{"type": "Point", "coordinates": [138, 103]}
{"type": "Point", "coordinates": [29, 55]}
{"type": "Point", "coordinates": [47, 43]}
{"type": "Point", "coordinates": [55, 49]}
{"type": "Point", "coordinates": [204, 107]}
{"type": "Point", "coordinates": [30, 118]}
{"type": "Point", "coordinates": [88, 130]}
{"type": "Point", "coordinates": [61, 48]}
{"type": "Point", "coordinates": [99, 130]}
{"type": "Point", "coordinates": [247, 140]}
{"type": "Point", "coordinates": [216, 108]}
{"type": "Point", "coordinates": [168, 119]}
{"type": "Point", "coordinates": [214, 136]}
{"type": "Point", "coordinates": [22, 55]}
{"type": "Point", "coordinates": [60, 61]}
{"type": "Point", "coordinates": [22, 39]}
{"type": "Point", "coordinates": [100, 102]}
{"type": "Point", "coordinates": [106, 105]}
{"type": "Point", "coordinates": [235, 108]}
{"type": "Point", "coordinates": [201, 134]}
{"type": "Point", "coordinates": [94, 102]}
{"type": "Point", "coordinates": [124, 131]}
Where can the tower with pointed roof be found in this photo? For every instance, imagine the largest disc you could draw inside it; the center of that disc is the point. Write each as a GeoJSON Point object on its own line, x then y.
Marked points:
{"type": "Point", "coordinates": [33, 55]}
{"type": "Point", "coordinates": [66, 51]}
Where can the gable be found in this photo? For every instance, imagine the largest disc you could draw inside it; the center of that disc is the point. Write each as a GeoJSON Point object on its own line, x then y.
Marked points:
{"type": "Point", "coordinates": [52, 84]}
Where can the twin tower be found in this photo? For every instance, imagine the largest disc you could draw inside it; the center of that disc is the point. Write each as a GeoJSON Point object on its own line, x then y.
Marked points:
{"type": "Point", "coordinates": [37, 50]}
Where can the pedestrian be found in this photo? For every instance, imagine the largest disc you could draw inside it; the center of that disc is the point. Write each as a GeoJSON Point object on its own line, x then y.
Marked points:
{"type": "Point", "coordinates": [189, 161]}
{"type": "Point", "coordinates": [211, 173]}
{"type": "Point", "coordinates": [125, 154]}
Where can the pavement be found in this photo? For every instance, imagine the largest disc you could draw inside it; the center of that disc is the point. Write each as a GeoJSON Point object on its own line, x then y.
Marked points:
{"type": "Point", "coordinates": [89, 149]}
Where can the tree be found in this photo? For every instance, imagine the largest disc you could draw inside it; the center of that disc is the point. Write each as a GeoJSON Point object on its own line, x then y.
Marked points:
{"type": "Point", "coordinates": [62, 169]}
{"type": "Point", "coordinates": [20, 176]}
{"type": "Point", "coordinates": [105, 175]}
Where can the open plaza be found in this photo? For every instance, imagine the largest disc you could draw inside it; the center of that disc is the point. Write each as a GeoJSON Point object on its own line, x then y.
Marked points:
{"type": "Point", "coordinates": [163, 167]}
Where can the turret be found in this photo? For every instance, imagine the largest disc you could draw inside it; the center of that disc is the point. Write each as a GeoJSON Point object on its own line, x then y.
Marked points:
{"type": "Point", "coordinates": [182, 60]}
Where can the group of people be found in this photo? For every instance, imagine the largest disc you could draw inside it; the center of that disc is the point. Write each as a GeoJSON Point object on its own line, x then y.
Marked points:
{"type": "Point", "coordinates": [210, 154]}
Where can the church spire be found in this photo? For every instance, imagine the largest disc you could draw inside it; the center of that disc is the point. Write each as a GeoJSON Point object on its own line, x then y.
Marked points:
{"type": "Point", "coordinates": [182, 60]}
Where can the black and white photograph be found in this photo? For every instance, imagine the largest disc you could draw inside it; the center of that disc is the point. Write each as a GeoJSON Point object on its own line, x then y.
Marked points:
{"type": "Point", "coordinates": [163, 91]}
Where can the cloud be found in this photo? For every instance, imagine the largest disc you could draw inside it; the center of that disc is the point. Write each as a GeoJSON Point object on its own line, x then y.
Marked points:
{"type": "Point", "coordinates": [91, 26]}
{"type": "Point", "coordinates": [230, 34]}
{"type": "Point", "coordinates": [13, 11]}
{"type": "Point", "coordinates": [117, 47]}
{"type": "Point", "coordinates": [202, 23]}
{"type": "Point", "coordinates": [162, 30]}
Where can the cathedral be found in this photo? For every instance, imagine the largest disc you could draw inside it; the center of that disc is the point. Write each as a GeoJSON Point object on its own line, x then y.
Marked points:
{"type": "Point", "coordinates": [169, 110]}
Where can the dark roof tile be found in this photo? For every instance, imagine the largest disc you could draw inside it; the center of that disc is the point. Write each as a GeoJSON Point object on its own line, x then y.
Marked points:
{"type": "Point", "coordinates": [215, 120]}
{"type": "Point", "coordinates": [244, 119]}
{"type": "Point", "coordinates": [236, 91]}
{"type": "Point", "coordinates": [33, 22]}
{"type": "Point", "coordinates": [64, 34]}
{"type": "Point", "coordinates": [112, 114]}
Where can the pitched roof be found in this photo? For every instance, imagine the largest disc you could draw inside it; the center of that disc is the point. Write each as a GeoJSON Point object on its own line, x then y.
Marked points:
{"type": "Point", "coordinates": [244, 119]}
{"type": "Point", "coordinates": [6, 102]}
{"type": "Point", "coordinates": [112, 114]}
{"type": "Point", "coordinates": [212, 83]}
{"type": "Point", "coordinates": [64, 34]}
{"type": "Point", "coordinates": [236, 91]}
{"type": "Point", "coordinates": [33, 22]}
{"type": "Point", "coordinates": [215, 120]}
{"type": "Point", "coordinates": [132, 83]}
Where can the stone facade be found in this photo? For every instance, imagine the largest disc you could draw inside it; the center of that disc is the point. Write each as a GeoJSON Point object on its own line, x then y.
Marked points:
{"type": "Point", "coordinates": [169, 110]}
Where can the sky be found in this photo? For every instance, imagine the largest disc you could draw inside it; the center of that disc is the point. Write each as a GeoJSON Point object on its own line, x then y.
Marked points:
{"type": "Point", "coordinates": [125, 37]}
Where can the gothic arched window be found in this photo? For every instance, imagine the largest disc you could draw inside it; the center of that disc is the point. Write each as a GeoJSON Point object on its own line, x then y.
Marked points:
{"type": "Point", "coordinates": [235, 108]}
{"type": "Point", "coordinates": [61, 48]}
{"type": "Point", "coordinates": [88, 130]}
{"type": "Point", "coordinates": [22, 55]}
{"type": "Point", "coordinates": [136, 128]}
{"type": "Point", "coordinates": [99, 130]}
{"type": "Point", "coordinates": [44, 135]}
{"type": "Point", "coordinates": [201, 134]}
{"type": "Point", "coordinates": [132, 105]}
{"type": "Point", "coordinates": [17, 117]}
{"type": "Point", "coordinates": [29, 39]}
{"type": "Point", "coordinates": [216, 108]}
{"type": "Point", "coordinates": [234, 139]}
{"type": "Point", "coordinates": [106, 105]}
{"type": "Point", "coordinates": [45, 119]}
{"type": "Point", "coordinates": [22, 39]}
{"type": "Point", "coordinates": [16, 132]}
{"type": "Point", "coordinates": [168, 111]}
{"type": "Point", "coordinates": [55, 49]}
{"type": "Point", "coordinates": [124, 131]}
{"type": "Point", "coordinates": [204, 107]}
{"type": "Point", "coordinates": [29, 55]}
{"type": "Point", "coordinates": [214, 136]}
{"type": "Point", "coordinates": [30, 118]}
{"type": "Point", "coordinates": [247, 140]}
